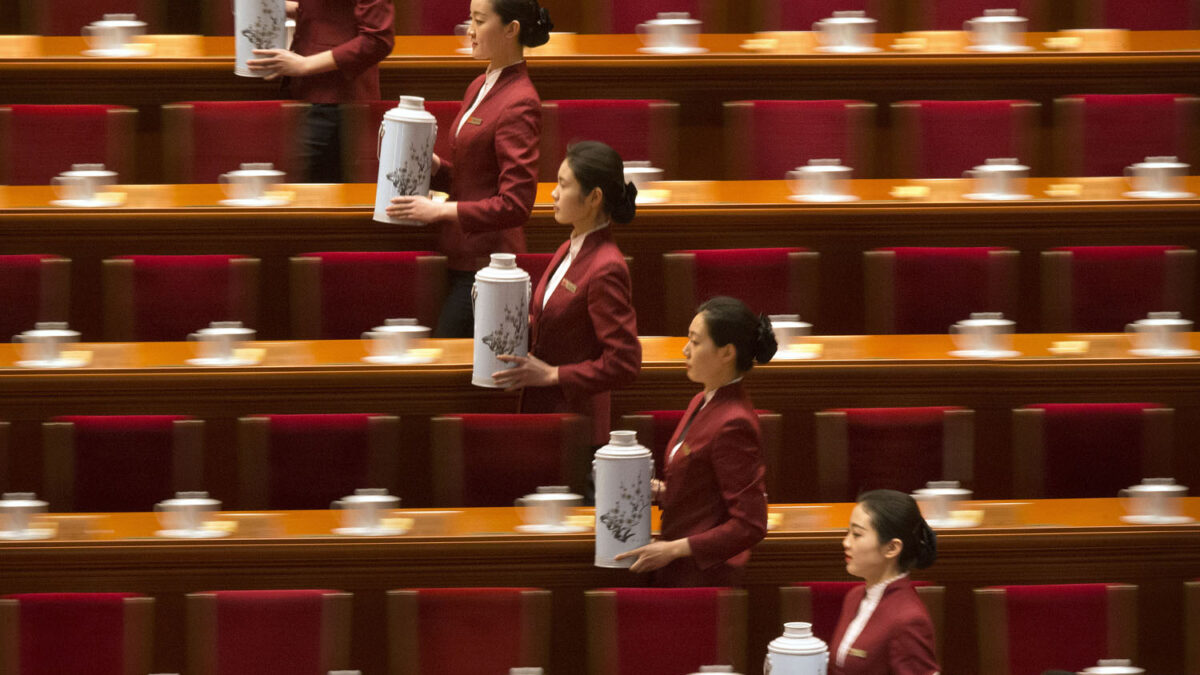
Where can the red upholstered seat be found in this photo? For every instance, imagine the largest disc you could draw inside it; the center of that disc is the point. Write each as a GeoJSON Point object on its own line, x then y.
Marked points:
{"type": "Point", "coordinates": [536, 264]}
{"type": "Point", "coordinates": [338, 295]}
{"type": "Point", "coordinates": [360, 133]}
{"type": "Point", "coordinates": [860, 449]}
{"type": "Point", "coordinates": [766, 139]}
{"type": "Point", "coordinates": [217, 17]}
{"type": "Point", "coordinates": [1100, 289]}
{"type": "Point", "coordinates": [942, 139]}
{"type": "Point", "coordinates": [508, 628]}
{"type": "Point", "coordinates": [120, 462]}
{"type": "Point", "coordinates": [1142, 15]}
{"type": "Point", "coordinates": [820, 603]}
{"type": "Point", "coordinates": [624, 16]}
{"type": "Point", "coordinates": [92, 633]}
{"type": "Point", "coordinates": [672, 631]}
{"type": "Point", "coordinates": [209, 138]}
{"type": "Point", "coordinates": [801, 14]}
{"type": "Point", "coordinates": [307, 461]}
{"type": "Point", "coordinates": [950, 14]}
{"type": "Point", "coordinates": [490, 460]}
{"type": "Point", "coordinates": [166, 297]}
{"type": "Point", "coordinates": [1192, 627]}
{"type": "Point", "coordinates": [1030, 629]}
{"type": "Point", "coordinates": [68, 17]}
{"type": "Point", "coordinates": [299, 632]}
{"type": "Point", "coordinates": [645, 130]}
{"type": "Point", "coordinates": [38, 142]}
{"type": "Point", "coordinates": [33, 288]}
{"type": "Point", "coordinates": [1063, 450]}
{"type": "Point", "coordinates": [769, 280]}
{"type": "Point", "coordinates": [1101, 134]}
{"type": "Point", "coordinates": [431, 17]}
{"type": "Point", "coordinates": [926, 289]}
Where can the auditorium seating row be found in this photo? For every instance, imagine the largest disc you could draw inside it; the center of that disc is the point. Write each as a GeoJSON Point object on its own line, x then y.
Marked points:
{"type": "Point", "coordinates": [438, 17]}
{"type": "Point", "coordinates": [1023, 630]}
{"type": "Point", "coordinates": [339, 295]}
{"type": "Point", "coordinates": [1092, 135]}
{"type": "Point", "coordinates": [128, 463]}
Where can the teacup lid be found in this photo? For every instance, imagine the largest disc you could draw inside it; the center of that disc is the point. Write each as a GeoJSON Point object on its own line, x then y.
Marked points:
{"type": "Point", "coordinates": [249, 169]}
{"type": "Point", "coordinates": [21, 500]}
{"type": "Point", "coordinates": [371, 496]}
{"type": "Point", "coordinates": [1165, 485]}
{"type": "Point", "coordinates": [1162, 162]}
{"type": "Point", "coordinates": [1002, 164]}
{"type": "Point", "coordinates": [198, 498]}
{"type": "Point", "coordinates": [226, 328]}
{"type": "Point", "coordinates": [49, 329]}
{"type": "Point", "coordinates": [831, 165]}
{"type": "Point", "coordinates": [1114, 667]}
{"type": "Point", "coordinates": [123, 20]}
{"type": "Point", "coordinates": [547, 494]}
{"type": "Point", "coordinates": [948, 488]}
{"type": "Point", "coordinates": [1164, 319]}
{"type": "Point", "coordinates": [986, 319]}
{"type": "Point", "coordinates": [88, 170]}
{"type": "Point", "coordinates": [848, 16]}
{"type": "Point", "coordinates": [675, 18]}
{"type": "Point", "coordinates": [394, 326]}
{"type": "Point", "coordinates": [999, 16]}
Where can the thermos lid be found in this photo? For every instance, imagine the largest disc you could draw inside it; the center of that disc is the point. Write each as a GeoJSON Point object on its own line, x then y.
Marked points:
{"type": "Point", "coordinates": [622, 444]}
{"type": "Point", "coordinates": [503, 268]}
{"type": "Point", "coordinates": [410, 109]}
{"type": "Point", "coordinates": [797, 640]}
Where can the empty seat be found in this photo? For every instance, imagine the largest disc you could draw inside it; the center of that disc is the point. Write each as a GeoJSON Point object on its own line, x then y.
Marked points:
{"type": "Point", "coordinates": [338, 295]}
{"type": "Point", "coordinates": [60, 633]}
{"type": "Point", "coordinates": [68, 17]}
{"type": "Point", "coordinates": [1192, 627]}
{"type": "Point", "coordinates": [860, 449]}
{"type": "Point", "coordinates": [926, 289]}
{"type": "Point", "coordinates": [38, 142]}
{"type": "Point", "coordinates": [665, 630]}
{"type": "Point", "coordinates": [120, 462]}
{"type": "Point", "coordinates": [299, 632]}
{"type": "Point", "coordinates": [820, 603]}
{"type": "Point", "coordinates": [1144, 15]}
{"type": "Point", "coordinates": [950, 14]}
{"type": "Point", "coordinates": [307, 461]}
{"type": "Point", "coordinates": [431, 17]}
{"type": "Point", "coordinates": [535, 264]}
{"type": "Point", "coordinates": [639, 130]}
{"type": "Point", "coordinates": [1098, 289]}
{"type": "Point", "coordinates": [33, 288]}
{"type": "Point", "coordinates": [801, 14]}
{"type": "Point", "coordinates": [1030, 629]}
{"type": "Point", "coordinates": [209, 138]}
{"type": "Point", "coordinates": [490, 460]}
{"type": "Point", "coordinates": [769, 280]}
{"type": "Point", "coordinates": [360, 133]}
{"type": "Point", "coordinates": [1101, 134]}
{"type": "Point", "coordinates": [625, 15]}
{"type": "Point", "coordinates": [508, 628]}
{"type": "Point", "coordinates": [166, 297]}
{"type": "Point", "coordinates": [942, 139]}
{"type": "Point", "coordinates": [1063, 450]}
{"type": "Point", "coordinates": [766, 139]}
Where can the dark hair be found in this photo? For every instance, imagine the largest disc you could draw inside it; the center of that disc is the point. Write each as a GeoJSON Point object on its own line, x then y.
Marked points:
{"type": "Point", "coordinates": [895, 516]}
{"type": "Point", "coordinates": [596, 165]}
{"type": "Point", "coordinates": [535, 20]}
{"type": "Point", "coordinates": [729, 320]}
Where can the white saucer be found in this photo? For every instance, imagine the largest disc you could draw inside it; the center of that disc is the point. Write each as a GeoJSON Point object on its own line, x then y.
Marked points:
{"type": "Point", "coordinates": [1164, 353]}
{"type": "Point", "coordinates": [824, 199]}
{"type": "Point", "coordinates": [994, 197]}
{"type": "Point", "coordinates": [673, 51]}
{"type": "Point", "coordinates": [216, 362]}
{"type": "Point", "coordinates": [1158, 520]}
{"type": "Point", "coordinates": [951, 523]}
{"type": "Point", "coordinates": [192, 534]}
{"type": "Point", "coordinates": [844, 49]}
{"type": "Point", "coordinates": [83, 203]}
{"type": "Point", "coordinates": [999, 49]}
{"type": "Point", "coordinates": [646, 199]}
{"type": "Point", "coordinates": [1157, 194]}
{"type": "Point", "coordinates": [27, 535]}
{"type": "Point", "coordinates": [552, 529]}
{"type": "Point", "coordinates": [113, 53]}
{"type": "Point", "coordinates": [53, 363]}
{"type": "Point", "coordinates": [397, 360]}
{"type": "Point", "coordinates": [463, 50]}
{"type": "Point", "coordinates": [788, 355]}
{"type": "Point", "coordinates": [368, 532]}
{"type": "Point", "coordinates": [255, 202]}
{"type": "Point", "coordinates": [984, 353]}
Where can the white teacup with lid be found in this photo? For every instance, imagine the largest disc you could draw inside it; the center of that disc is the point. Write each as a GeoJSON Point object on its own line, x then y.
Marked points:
{"type": "Point", "coordinates": [1157, 178]}
{"type": "Point", "coordinates": [796, 652]}
{"type": "Point", "coordinates": [1155, 501]}
{"type": "Point", "coordinates": [545, 510]}
{"type": "Point", "coordinates": [788, 327]}
{"type": "Point", "coordinates": [984, 335]}
{"type": "Point", "coordinates": [392, 342]}
{"type": "Point", "coordinates": [998, 30]}
{"type": "Point", "coordinates": [846, 32]}
{"type": "Point", "coordinates": [109, 35]}
{"type": "Point", "coordinates": [362, 513]}
{"type": "Point", "coordinates": [248, 185]}
{"type": "Point", "coordinates": [17, 510]}
{"type": "Point", "coordinates": [821, 180]}
{"type": "Point", "coordinates": [42, 347]}
{"type": "Point", "coordinates": [1113, 667]}
{"type": "Point", "coordinates": [78, 187]}
{"type": "Point", "coordinates": [998, 179]}
{"type": "Point", "coordinates": [670, 33]}
{"type": "Point", "coordinates": [183, 516]}
{"type": "Point", "coordinates": [217, 344]}
{"type": "Point", "coordinates": [529, 670]}
{"type": "Point", "coordinates": [939, 499]}
{"type": "Point", "coordinates": [640, 172]}
{"type": "Point", "coordinates": [1160, 334]}
{"type": "Point", "coordinates": [714, 669]}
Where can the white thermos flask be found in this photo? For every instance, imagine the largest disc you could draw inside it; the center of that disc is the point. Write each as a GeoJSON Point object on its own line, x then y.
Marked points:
{"type": "Point", "coordinates": [500, 298]}
{"type": "Point", "coordinates": [622, 473]}
{"type": "Point", "coordinates": [796, 652]}
{"type": "Point", "coordinates": [406, 137]}
{"type": "Point", "coordinates": [258, 24]}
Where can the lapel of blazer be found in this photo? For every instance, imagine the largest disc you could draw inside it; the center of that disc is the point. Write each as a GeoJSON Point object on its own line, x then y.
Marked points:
{"type": "Point", "coordinates": [539, 293]}
{"type": "Point", "coordinates": [697, 400]}
{"type": "Point", "coordinates": [576, 273]}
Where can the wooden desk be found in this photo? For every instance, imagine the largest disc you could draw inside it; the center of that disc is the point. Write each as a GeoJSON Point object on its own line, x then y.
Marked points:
{"type": "Point", "coordinates": [701, 214]}
{"type": "Point", "coordinates": [583, 65]}
{"type": "Point", "coordinates": [1061, 541]}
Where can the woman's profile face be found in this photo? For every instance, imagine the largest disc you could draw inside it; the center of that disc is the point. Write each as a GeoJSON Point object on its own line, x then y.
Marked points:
{"type": "Point", "coordinates": [570, 204]}
{"type": "Point", "coordinates": [486, 30]}
{"type": "Point", "coordinates": [864, 555]}
{"type": "Point", "coordinates": [701, 354]}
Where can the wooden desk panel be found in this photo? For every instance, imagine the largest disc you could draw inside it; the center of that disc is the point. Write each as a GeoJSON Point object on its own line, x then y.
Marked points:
{"type": "Point", "coordinates": [1059, 541]}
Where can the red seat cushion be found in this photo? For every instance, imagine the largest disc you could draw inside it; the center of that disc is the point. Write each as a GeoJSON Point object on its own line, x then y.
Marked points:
{"type": "Point", "coordinates": [666, 630]}
{"type": "Point", "coordinates": [1121, 129]}
{"type": "Point", "coordinates": [226, 134]}
{"type": "Point", "coordinates": [950, 14]}
{"type": "Point", "coordinates": [20, 292]}
{"type": "Point", "coordinates": [360, 290]}
{"type": "Point", "coordinates": [492, 618]}
{"type": "Point", "coordinates": [46, 140]}
{"type": "Point", "coordinates": [123, 462]}
{"type": "Point", "coordinates": [894, 448]}
{"type": "Point", "coordinates": [174, 295]}
{"type": "Point", "coordinates": [786, 134]}
{"type": "Point", "coordinates": [1149, 14]}
{"type": "Point", "coordinates": [794, 15]}
{"type": "Point", "coordinates": [1113, 285]}
{"type": "Point", "coordinates": [269, 632]}
{"type": "Point", "coordinates": [315, 459]}
{"type": "Point", "coordinates": [1092, 449]}
{"type": "Point", "coordinates": [757, 276]}
{"type": "Point", "coordinates": [439, 17]}
{"type": "Point", "coordinates": [68, 17]}
{"type": "Point", "coordinates": [627, 14]}
{"type": "Point", "coordinates": [507, 456]}
{"type": "Point", "coordinates": [955, 136]}
{"type": "Point", "coordinates": [935, 287]}
{"type": "Point", "coordinates": [1062, 627]}
{"type": "Point", "coordinates": [72, 633]}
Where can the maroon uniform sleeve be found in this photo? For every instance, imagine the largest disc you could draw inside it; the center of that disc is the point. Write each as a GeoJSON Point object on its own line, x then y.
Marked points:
{"type": "Point", "coordinates": [374, 40]}
{"type": "Point", "coordinates": [610, 305]}
{"type": "Point", "coordinates": [737, 463]}
{"type": "Point", "coordinates": [516, 145]}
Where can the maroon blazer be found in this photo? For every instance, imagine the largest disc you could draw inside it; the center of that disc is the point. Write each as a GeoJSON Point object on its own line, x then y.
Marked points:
{"type": "Point", "coordinates": [492, 170]}
{"type": "Point", "coordinates": [360, 34]}
{"type": "Point", "coordinates": [588, 329]}
{"type": "Point", "coordinates": [897, 640]}
{"type": "Point", "coordinates": [715, 494]}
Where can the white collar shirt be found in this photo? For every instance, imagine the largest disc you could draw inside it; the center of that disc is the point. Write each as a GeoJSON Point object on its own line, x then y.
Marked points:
{"type": "Point", "coordinates": [489, 81]}
{"type": "Point", "coordinates": [708, 396]}
{"type": "Point", "coordinates": [572, 252]}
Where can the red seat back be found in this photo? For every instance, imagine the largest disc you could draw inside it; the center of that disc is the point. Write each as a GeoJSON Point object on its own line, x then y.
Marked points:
{"type": "Point", "coordinates": [209, 138]}
{"type": "Point", "coordinates": [933, 287]}
{"type": "Point", "coordinates": [625, 15]}
{"type": "Point", "coordinates": [639, 130]}
{"type": "Point", "coordinates": [76, 633]}
{"type": "Point", "coordinates": [950, 14]}
{"type": "Point", "coordinates": [1113, 285]}
{"type": "Point", "coordinates": [760, 277]}
{"type": "Point", "coordinates": [766, 139]}
{"type": "Point", "coordinates": [315, 459]}
{"type": "Point", "coordinates": [174, 295]}
{"type": "Point", "coordinates": [942, 139]}
{"type": "Point", "coordinates": [1143, 15]}
{"type": "Point", "coordinates": [360, 290]}
{"type": "Point", "coordinates": [45, 140]}
{"type": "Point", "coordinates": [1101, 134]}
{"type": "Point", "coordinates": [28, 292]}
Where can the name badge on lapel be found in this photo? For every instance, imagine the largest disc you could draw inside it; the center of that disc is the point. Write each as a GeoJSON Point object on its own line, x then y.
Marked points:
{"type": "Point", "coordinates": [474, 120]}
{"type": "Point", "coordinates": [685, 449]}
{"type": "Point", "coordinates": [566, 283]}
{"type": "Point", "coordinates": [860, 653]}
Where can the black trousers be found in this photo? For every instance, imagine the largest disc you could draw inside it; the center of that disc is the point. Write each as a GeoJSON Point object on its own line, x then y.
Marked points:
{"type": "Point", "coordinates": [321, 150]}
{"type": "Point", "coordinates": [457, 319]}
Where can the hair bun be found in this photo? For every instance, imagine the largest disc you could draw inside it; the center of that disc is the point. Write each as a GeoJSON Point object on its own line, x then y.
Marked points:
{"type": "Point", "coordinates": [926, 546]}
{"type": "Point", "coordinates": [625, 208]}
{"type": "Point", "coordinates": [765, 345]}
{"type": "Point", "coordinates": [538, 32]}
